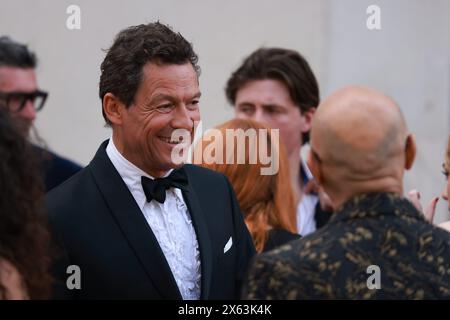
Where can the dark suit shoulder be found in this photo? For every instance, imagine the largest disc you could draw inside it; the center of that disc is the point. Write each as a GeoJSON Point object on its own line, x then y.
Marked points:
{"type": "Point", "coordinates": [55, 169]}
{"type": "Point", "coordinates": [68, 165]}
{"type": "Point", "coordinates": [74, 181]}
{"type": "Point", "coordinates": [71, 193]}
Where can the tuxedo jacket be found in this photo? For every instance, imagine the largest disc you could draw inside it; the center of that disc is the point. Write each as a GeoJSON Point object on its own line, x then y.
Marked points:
{"type": "Point", "coordinates": [98, 226]}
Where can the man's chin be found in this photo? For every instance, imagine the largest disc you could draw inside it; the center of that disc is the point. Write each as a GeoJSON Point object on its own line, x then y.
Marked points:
{"type": "Point", "coordinates": [179, 155]}
{"type": "Point", "coordinates": [24, 131]}
{"type": "Point", "coordinates": [174, 164]}
{"type": "Point", "coordinates": [162, 169]}
{"type": "Point", "coordinates": [23, 128]}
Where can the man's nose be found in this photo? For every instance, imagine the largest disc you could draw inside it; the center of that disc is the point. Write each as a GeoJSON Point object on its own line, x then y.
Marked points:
{"type": "Point", "coordinates": [259, 116]}
{"type": "Point", "coordinates": [183, 118]}
{"type": "Point", "coordinates": [28, 112]}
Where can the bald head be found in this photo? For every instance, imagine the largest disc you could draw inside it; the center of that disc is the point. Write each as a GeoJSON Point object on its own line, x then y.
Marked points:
{"type": "Point", "coordinates": [360, 135]}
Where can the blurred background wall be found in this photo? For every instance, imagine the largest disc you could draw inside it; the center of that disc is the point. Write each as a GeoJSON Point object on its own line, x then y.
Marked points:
{"type": "Point", "coordinates": [409, 59]}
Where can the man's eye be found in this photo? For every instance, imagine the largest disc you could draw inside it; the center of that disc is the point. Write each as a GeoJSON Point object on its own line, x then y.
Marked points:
{"type": "Point", "coordinates": [165, 108]}
{"type": "Point", "coordinates": [194, 105]}
{"type": "Point", "coordinates": [445, 173]}
{"type": "Point", "coordinates": [246, 110]}
{"type": "Point", "coordinates": [273, 111]}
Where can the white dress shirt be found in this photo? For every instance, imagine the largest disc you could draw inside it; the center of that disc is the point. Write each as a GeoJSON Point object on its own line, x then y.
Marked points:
{"type": "Point", "coordinates": [306, 222]}
{"type": "Point", "coordinates": [169, 221]}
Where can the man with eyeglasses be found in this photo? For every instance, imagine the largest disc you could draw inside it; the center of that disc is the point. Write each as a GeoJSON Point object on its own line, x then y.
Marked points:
{"type": "Point", "coordinates": [19, 94]}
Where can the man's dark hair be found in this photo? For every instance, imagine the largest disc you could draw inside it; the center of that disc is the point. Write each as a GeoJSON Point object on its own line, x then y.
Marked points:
{"type": "Point", "coordinates": [121, 71]}
{"type": "Point", "coordinates": [284, 65]}
{"type": "Point", "coordinates": [14, 54]}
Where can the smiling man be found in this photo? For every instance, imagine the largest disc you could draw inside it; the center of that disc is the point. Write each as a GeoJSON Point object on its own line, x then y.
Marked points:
{"type": "Point", "coordinates": [138, 224]}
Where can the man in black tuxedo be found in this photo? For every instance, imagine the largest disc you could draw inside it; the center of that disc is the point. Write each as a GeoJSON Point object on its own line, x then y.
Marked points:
{"type": "Point", "coordinates": [138, 224]}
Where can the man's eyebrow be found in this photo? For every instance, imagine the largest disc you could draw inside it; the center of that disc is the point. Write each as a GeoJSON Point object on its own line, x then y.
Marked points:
{"type": "Point", "coordinates": [163, 96]}
{"type": "Point", "coordinates": [271, 105]}
{"type": "Point", "coordinates": [197, 95]}
{"type": "Point", "coordinates": [246, 104]}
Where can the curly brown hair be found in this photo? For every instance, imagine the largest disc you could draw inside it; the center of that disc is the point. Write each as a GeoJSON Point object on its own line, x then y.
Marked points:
{"type": "Point", "coordinates": [24, 235]}
{"type": "Point", "coordinates": [133, 48]}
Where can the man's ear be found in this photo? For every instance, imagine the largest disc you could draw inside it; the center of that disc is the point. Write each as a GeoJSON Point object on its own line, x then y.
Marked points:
{"type": "Point", "coordinates": [307, 117]}
{"type": "Point", "coordinates": [314, 167]}
{"type": "Point", "coordinates": [113, 108]}
{"type": "Point", "coordinates": [410, 151]}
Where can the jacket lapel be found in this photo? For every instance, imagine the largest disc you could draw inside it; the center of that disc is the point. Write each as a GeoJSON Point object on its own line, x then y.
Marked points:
{"type": "Point", "coordinates": [203, 237]}
{"type": "Point", "coordinates": [132, 222]}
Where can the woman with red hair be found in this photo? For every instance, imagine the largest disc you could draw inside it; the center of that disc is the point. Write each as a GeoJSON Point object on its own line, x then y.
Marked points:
{"type": "Point", "coordinates": [266, 200]}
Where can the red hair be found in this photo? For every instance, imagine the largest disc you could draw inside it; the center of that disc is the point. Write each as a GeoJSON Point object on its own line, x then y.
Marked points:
{"type": "Point", "coordinates": [267, 201]}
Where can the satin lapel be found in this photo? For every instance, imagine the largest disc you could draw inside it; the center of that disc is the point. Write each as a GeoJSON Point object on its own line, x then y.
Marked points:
{"type": "Point", "coordinates": [133, 224]}
{"type": "Point", "coordinates": [203, 237]}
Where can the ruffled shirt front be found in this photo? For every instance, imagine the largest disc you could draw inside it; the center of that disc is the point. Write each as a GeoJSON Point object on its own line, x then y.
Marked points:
{"type": "Point", "coordinates": [170, 222]}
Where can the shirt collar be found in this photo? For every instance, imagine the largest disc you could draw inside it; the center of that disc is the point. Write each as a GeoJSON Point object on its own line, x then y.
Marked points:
{"type": "Point", "coordinates": [306, 175]}
{"type": "Point", "coordinates": [305, 172]}
{"type": "Point", "coordinates": [130, 173]}
{"type": "Point", "coordinates": [375, 205]}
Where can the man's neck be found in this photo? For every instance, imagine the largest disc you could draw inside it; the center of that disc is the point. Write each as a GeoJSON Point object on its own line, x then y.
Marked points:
{"type": "Point", "coordinates": [386, 185]}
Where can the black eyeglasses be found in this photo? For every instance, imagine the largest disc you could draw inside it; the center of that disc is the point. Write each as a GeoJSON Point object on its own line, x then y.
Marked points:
{"type": "Point", "coordinates": [16, 101]}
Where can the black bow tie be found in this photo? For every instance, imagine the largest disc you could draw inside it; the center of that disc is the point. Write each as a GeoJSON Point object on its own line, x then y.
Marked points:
{"type": "Point", "coordinates": [156, 189]}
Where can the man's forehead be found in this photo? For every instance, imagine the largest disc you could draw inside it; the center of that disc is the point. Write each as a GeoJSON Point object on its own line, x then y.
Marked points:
{"type": "Point", "coordinates": [169, 75]}
{"type": "Point", "coordinates": [265, 87]}
{"type": "Point", "coordinates": [17, 79]}
{"type": "Point", "coordinates": [267, 92]}
{"type": "Point", "coordinates": [153, 69]}
{"type": "Point", "coordinates": [161, 95]}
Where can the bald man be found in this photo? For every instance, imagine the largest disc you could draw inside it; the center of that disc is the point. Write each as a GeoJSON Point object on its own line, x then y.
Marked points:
{"type": "Point", "coordinates": [376, 245]}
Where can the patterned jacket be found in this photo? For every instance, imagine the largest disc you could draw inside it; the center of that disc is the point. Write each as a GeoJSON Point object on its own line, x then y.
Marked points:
{"type": "Point", "coordinates": [376, 246]}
